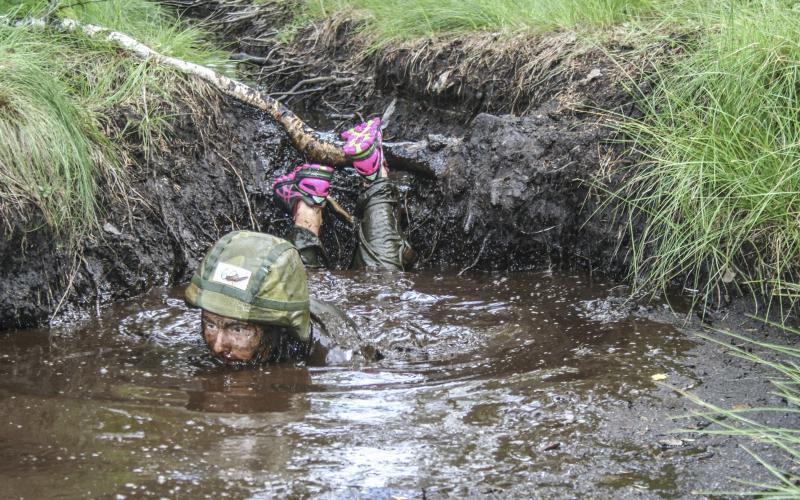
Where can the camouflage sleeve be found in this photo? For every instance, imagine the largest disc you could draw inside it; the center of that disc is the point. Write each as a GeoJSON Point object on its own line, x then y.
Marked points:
{"type": "Point", "coordinates": [310, 247]}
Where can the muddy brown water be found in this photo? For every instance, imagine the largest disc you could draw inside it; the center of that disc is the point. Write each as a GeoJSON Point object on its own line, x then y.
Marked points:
{"type": "Point", "coordinates": [493, 384]}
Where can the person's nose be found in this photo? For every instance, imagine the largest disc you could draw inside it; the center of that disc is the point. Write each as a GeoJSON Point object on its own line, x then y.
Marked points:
{"type": "Point", "coordinates": [221, 344]}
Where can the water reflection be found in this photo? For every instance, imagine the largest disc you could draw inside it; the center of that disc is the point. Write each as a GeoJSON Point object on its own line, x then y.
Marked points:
{"type": "Point", "coordinates": [279, 389]}
{"type": "Point", "coordinates": [479, 372]}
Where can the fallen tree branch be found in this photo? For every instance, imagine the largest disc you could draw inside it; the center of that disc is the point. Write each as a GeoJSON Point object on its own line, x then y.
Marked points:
{"type": "Point", "coordinates": [302, 137]}
{"type": "Point", "coordinates": [339, 210]}
{"type": "Point", "coordinates": [417, 157]}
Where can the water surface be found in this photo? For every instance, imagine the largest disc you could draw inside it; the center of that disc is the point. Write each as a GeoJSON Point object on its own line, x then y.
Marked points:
{"type": "Point", "coordinates": [492, 384]}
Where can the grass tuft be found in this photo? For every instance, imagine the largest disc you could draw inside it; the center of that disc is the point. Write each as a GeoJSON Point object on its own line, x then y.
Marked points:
{"type": "Point", "coordinates": [62, 146]}
{"type": "Point", "coordinates": [748, 423]}
{"type": "Point", "coordinates": [719, 187]}
{"type": "Point", "coordinates": [403, 20]}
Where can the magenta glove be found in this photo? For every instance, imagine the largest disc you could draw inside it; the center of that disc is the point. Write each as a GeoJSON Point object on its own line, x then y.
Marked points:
{"type": "Point", "coordinates": [308, 182]}
{"type": "Point", "coordinates": [364, 148]}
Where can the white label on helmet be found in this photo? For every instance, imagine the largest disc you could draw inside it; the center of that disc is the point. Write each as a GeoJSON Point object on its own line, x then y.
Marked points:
{"type": "Point", "coordinates": [231, 275]}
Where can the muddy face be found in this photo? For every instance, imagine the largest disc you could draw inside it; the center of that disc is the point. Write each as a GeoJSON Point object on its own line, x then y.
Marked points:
{"type": "Point", "coordinates": [229, 339]}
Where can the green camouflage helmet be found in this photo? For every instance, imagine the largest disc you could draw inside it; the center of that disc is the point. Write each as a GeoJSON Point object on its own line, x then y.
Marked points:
{"type": "Point", "coordinates": [253, 277]}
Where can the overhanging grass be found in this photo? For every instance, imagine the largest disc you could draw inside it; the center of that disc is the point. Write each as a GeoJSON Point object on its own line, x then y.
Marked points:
{"type": "Point", "coordinates": [720, 188]}
{"type": "Point", "coordinates": [60, 148]}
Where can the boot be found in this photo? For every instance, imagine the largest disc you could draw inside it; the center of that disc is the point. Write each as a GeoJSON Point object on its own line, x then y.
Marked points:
{"type": "Point", "coordinates": [380, 243]}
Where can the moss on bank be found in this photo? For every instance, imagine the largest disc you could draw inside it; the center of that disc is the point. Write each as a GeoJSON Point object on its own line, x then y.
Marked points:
{"type": "Point", "coordinates": [62, 147]}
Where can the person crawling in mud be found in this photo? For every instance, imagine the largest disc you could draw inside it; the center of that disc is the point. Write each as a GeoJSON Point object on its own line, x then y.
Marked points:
{"type": "Point", "coordinates": [252, 287]}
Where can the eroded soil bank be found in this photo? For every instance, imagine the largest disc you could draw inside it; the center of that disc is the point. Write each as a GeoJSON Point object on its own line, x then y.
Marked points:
{"type": "Point", "coordinates": [510, 192]}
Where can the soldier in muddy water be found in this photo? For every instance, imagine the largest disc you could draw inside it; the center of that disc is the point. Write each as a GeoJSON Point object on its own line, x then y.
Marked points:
{"type": "Point", "coordinates": [252, 287]}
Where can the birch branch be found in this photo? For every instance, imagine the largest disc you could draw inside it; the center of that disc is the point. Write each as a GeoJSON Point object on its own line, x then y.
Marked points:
{"type": "Point", "coordinates": [423, 157]}
{"type": "Point", "coordinates": [303, 138]}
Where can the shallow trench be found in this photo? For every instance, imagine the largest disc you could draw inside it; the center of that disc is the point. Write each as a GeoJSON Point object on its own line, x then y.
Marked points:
{"type": "Point", "coordinates": [492, 385]}
{"type": "Point", "coordinates": [496, 383]}
{"type": "Point", "coordinates": [507, 193]}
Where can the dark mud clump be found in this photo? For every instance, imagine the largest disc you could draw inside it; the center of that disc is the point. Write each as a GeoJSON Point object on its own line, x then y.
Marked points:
{"type": "Point", "coordinates": [516, 194]}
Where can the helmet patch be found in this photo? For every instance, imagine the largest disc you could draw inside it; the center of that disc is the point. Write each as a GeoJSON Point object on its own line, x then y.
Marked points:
{"type": "Point", "coordinates": [231, 275]}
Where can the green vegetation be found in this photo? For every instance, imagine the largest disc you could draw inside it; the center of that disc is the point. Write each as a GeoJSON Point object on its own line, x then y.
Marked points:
{"type": "Point", "coordinates": [416, 18]}
{"type": "Point", "coordinates": [60, 147]}
{"type": "Point", "coordinates": [745, 422]}
{"type": "Point", "coordinates": [720, 187]}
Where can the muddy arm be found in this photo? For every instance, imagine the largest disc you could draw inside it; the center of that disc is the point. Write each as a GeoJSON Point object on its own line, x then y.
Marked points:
{"type": "Point", "coordinates": [424, 157]}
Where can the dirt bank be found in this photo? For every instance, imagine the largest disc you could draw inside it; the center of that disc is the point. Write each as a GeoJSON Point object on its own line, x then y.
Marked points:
{"type": "Point", "coordinates": [518, 185]}
{"type": "Point", "coordinates": [209, 179]}
{"type": "Point", "coordinates": [511, 192]}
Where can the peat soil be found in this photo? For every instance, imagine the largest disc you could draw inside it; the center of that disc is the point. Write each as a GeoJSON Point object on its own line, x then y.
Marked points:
{"type": "Point", "coordinates": [213, 178]}
{"type": "Point", "coordinates": [513, 122]}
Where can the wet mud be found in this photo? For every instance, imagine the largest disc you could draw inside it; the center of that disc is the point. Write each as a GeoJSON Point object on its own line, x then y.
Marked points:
{"type": "Point", "coordinates": [493, 385]}
{"type": "Point", "coordinates": [213, 177]}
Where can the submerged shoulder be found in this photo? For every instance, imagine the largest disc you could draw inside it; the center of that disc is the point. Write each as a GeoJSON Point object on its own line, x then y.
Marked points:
{"type": "Point", "coordinates": [336, 339]}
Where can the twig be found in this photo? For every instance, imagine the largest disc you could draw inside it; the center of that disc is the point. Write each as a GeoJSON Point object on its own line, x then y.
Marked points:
{"type": "Point", "coordinates": [340, 211]}
{"type": "Point", "coordinates": [320, 79]}
{"type": "Point", "coordinates": [247, 58]}
{"type": "Point", "coordinates": [68, 289]}
{"type": "Point", "coordinates": [299, 92]}
{"type": "Point", "coordinates": [480, 252]}
{"type": "Point", "coordinates": [244, 192]}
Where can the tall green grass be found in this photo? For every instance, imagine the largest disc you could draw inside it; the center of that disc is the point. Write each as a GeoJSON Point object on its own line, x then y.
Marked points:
{"type": "Point", "coordinates": [390, 21]}
{"type": "Point", "coordinates": [61, 148]}
{"type": "Point", "coordinates": [52, 151]}
{"type": "Point", "coordinates": [720, 184]}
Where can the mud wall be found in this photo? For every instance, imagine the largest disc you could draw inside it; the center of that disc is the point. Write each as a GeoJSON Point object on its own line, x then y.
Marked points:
{"type": "Point", "coordinates": [520, 189]}
{"type": "Point", "coordinates": [213, 177]}
{"type": "Point", "coordinates": [518, 193]}
{"type": "Point", "coordinates": [514, 192]}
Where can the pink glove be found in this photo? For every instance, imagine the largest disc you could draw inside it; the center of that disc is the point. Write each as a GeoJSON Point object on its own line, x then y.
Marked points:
{"type": "Point", "coordinates": [309, 183]}
{"type": "Point", "coordinates": [364, 147]}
